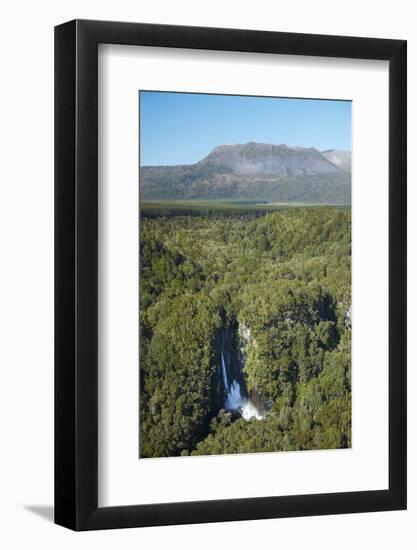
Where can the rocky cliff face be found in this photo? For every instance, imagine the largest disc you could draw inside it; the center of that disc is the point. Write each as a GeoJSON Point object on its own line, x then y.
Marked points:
{"type": "Point", "coordinates": [341, 159]}
{"type": "Point", "coordinates": [262, 158]}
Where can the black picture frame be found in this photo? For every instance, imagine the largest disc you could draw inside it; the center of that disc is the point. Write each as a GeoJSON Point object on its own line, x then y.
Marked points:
{"type": "Point", "coordinates": [76, 272]}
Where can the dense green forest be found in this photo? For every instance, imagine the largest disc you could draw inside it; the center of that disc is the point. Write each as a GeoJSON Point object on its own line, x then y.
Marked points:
{"type": "Point", "coordinates": [265, 296]}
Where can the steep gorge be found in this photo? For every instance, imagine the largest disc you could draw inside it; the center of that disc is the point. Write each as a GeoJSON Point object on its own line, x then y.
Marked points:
{"type": "Point", "coordinates": [236, 398]}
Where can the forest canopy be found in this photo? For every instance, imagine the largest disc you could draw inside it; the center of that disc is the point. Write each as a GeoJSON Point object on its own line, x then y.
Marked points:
{"type": "Point", "coordinates": [255, 296]}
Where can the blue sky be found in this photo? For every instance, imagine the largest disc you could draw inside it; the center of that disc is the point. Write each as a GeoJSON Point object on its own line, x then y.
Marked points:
{"type": "Point", "coordinates": [180, 128]}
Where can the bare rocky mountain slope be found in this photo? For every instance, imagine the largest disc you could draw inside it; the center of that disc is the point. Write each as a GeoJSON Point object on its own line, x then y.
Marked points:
{"type": "Point", "coordinates": [341, 159]}
{"type": "Point", "coordinates": [257, 172]}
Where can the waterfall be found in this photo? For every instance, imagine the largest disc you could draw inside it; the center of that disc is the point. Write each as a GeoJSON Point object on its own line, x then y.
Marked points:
{"type": "Point", "coordinates": [250, 411]}
{"type": "Point", "coordinates": [234, 400]}
{"type": "Point", "coordinates": [234, 397]}
{"type": "Point", "coordinates": [224, 372]}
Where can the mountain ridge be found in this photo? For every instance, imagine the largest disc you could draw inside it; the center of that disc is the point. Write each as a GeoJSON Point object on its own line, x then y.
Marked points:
{"type": "Point", "coordinates": [256, 171]}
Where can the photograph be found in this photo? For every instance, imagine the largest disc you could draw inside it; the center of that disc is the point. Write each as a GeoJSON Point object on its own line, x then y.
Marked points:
{"type": "Point", "coordinates": [244, 274]}
{"type": "Point", "coordinates": [209, 260]}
